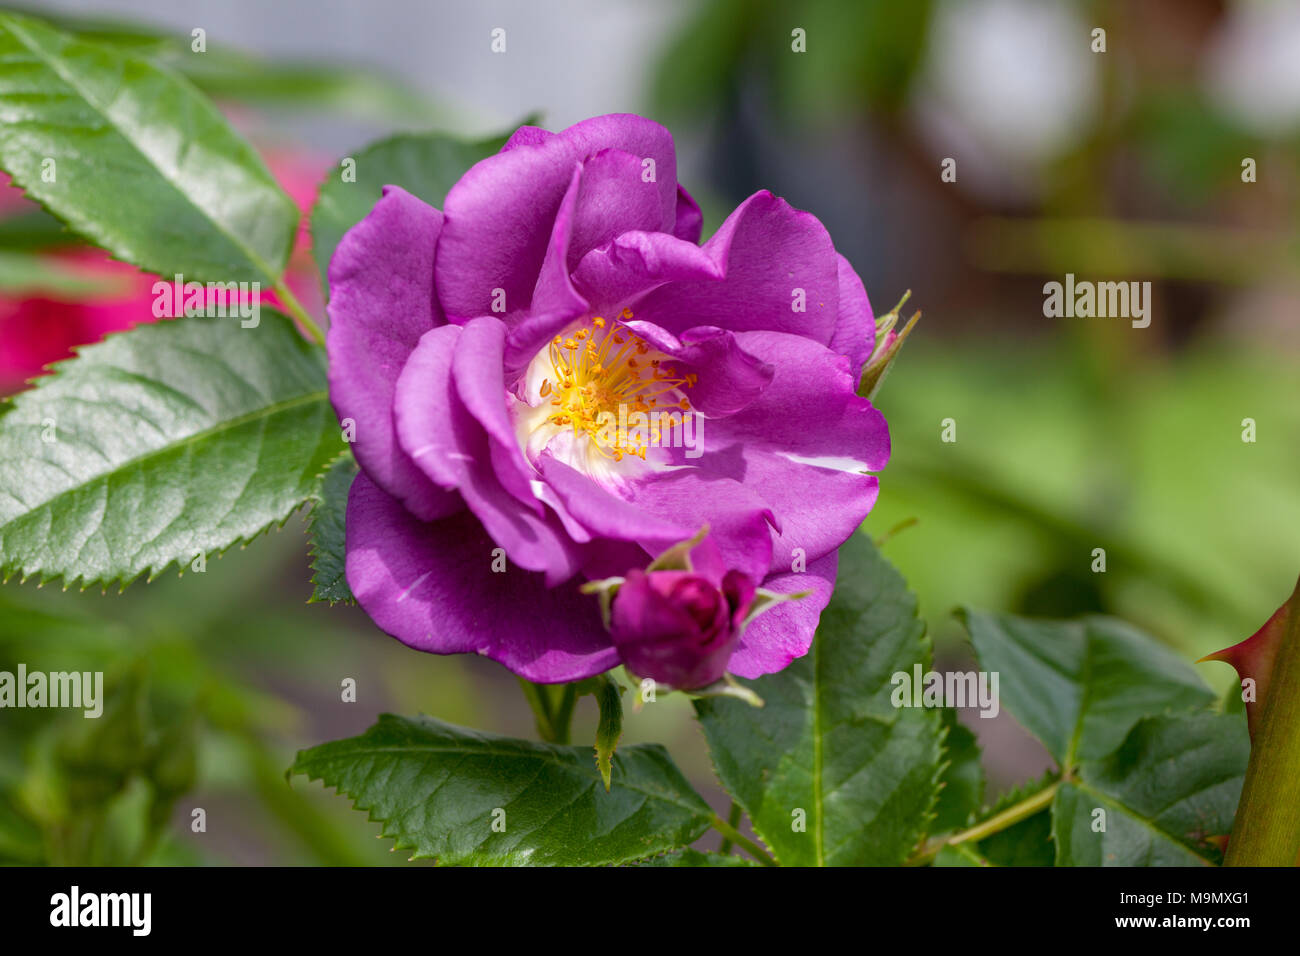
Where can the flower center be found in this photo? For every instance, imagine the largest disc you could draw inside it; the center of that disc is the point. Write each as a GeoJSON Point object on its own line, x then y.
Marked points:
{"type": "Point", "coordinates": [601, 374]}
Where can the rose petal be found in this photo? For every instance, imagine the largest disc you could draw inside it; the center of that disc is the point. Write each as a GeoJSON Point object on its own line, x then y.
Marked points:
{"type": "Point", "coordinates": [785, 632]}
{"type": "Point", "coordinates": [431, 585]}
{"type": "Point", "coordinates": [690, 221]}
{"type": "Point", "coordinates": [453, 448]}
{"type": "Point", "coordinates": [499, 216]}
{"type": "Point", "coordinates": [769, 251]}
{"type": "Point", "coordinates": [619, 273]}
{"type": "Point", "coordinates": [381, 302]}
{"type": "Point", "coordinates": [855, 326]}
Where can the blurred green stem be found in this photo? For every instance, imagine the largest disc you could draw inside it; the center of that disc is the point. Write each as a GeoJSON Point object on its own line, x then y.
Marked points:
{"type": "Point", "coordinates": [552, 707]}
{"type": "Point", "coordinates": [295, 308]}
{"type": "Point", "coordinates": [735, 836]}
{"type": "Point", "coordinates": [733, 820]}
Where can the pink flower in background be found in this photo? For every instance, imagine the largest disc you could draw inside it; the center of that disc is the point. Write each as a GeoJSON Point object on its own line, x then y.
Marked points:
{"type": "Point", "coordinates": [42, 328]}
{"type": "Point", "coordinates": [42, 325]}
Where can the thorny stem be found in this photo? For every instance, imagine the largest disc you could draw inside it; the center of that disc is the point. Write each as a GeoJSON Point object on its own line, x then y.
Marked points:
{"type": "Point", "coordinates": [1266, 831]}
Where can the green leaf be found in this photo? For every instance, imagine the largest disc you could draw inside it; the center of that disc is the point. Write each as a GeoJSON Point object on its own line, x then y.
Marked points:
{"type": "Point", "coordinates": [36, 229]}
{"type": "Point", "coordinates": [230, 74]}
{"type": "Point", "coordinates": [961, 854]}
{"type": "Point", "coordinates": [963, 777]}
{"type": "Point", "coordinates": [439, 789]}
{"type": "Point", "coordinates": [328, 523]}
{"type": "Point", "coordinates": [829, 742]}
{"type": "Point", "coordinates": [1080, 686]}
{"type": "Point", "coordinates": [1172, 785]}
{"type": "Point", "coordinates": [1028, 842]}
{"type": "Point", "coordinates": [689, 857]}
{"type": "Point", "coordinates": [158, 444]}
{"type": "Point", "coordinates": [426, 165]}
{"type": "Point", "coordinates": [143, 165]}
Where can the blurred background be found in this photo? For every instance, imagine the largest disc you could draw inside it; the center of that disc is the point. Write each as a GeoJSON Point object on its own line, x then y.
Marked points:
{"type": "Point", "coordinates": [1072, 434]}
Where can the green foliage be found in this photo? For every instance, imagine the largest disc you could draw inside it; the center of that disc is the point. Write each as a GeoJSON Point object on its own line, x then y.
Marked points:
{"type": "Point", "coordinates": [828, 742]}
{"type": "Point", "coordinates": [1151, 772]}
{"type": "Point", "coordinates": [134, 159]}
{"type": "Point", "coordinates": [860, 55]}
{"type": "Point", "coordinates": [424, 164]}
{"type": "Point", "coordinates": [1173, 784]}
{"type": "Point", "coordinates": [161, 444]}
{"type": "Point", "coordinates": [963, 777]}
{"type": "Point", "coordinates": [695, 858]}
{"type": "Point", "coordinates": [100, 791]}
{"type": "Point", "coordinates": [439, 789]}
{"type": "Point", "coordinates": [327, 528]}
{"type": "Point", "coordinates": [229, 74]}
{"type": "Point", "coordinates": [1080, 686]}
{"type": "Point", "coordinates": [1027, 842]}
{"type": "Point", "coordinates": [1043, 473]}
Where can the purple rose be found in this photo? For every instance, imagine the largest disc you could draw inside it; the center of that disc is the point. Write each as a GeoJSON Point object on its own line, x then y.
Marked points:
{"type": "Point", "coordinates": [551, 381]}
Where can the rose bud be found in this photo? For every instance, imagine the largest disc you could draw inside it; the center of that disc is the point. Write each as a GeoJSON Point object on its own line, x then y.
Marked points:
{"type": "Point", "coordinates": [677, 627]}
{"type": "Point", "coordinates": [680, 621]}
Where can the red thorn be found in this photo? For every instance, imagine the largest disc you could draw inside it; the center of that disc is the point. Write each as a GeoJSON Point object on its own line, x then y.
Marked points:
{"type": "Point", "coordinates": [1253, 658]}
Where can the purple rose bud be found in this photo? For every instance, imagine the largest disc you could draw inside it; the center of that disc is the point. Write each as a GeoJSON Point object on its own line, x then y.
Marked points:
{"type": "Point", "coordinates": [679, 627]}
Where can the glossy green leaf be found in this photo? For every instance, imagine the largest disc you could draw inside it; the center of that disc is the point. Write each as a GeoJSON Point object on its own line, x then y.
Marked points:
{"type": "Point", "coordinates": [830, 772]}
{"type": "Point", "coordinates": [160, 444]}
{"type": "Point", "coordinates": [469, 797]}
{"type": "Point", "coordinates": [1171, 786]}
{"type": "Point", "coordinates": [133, 158]}
{"type": "Point", "coordinates": [426, 165]}
{"type": "Point", "coordinates": [328, 524]}
{"type": "Point", "coordinates": [1080, 686]}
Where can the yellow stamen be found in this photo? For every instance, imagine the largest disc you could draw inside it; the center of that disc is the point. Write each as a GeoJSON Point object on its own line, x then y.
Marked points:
{"type": "Point", "coordinates": [595, 373]}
